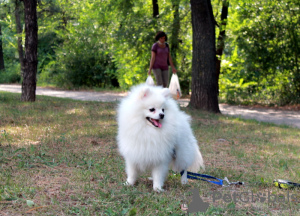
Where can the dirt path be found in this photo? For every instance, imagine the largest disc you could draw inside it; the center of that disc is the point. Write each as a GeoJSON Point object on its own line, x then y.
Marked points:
{"type": "Point", "coordinates": [291, 118]}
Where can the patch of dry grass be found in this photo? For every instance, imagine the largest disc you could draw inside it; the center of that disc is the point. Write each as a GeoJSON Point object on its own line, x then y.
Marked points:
{"type": "Point", "coordinates": [60, 157]}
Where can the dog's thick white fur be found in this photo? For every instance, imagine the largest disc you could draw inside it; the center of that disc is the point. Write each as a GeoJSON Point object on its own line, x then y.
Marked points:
{"type": "Point", "coordinates": [154, 134]}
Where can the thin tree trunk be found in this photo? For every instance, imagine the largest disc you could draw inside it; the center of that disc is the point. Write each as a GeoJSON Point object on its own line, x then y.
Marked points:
{"type": "Point", "coordinates": [204, 86]}
{"type": "Point", "coordinates": [175, 31]}
{"type": "Point", "coordinates": [19, 32]}
{"type": "Point", "coordinates": [155, 9]}
{"type": "Point", "coordinates": [30, 60]}
{"type": "Point", "coordinates": [2, 67]}
{"type": "Point", "coordinates": [221, 38]}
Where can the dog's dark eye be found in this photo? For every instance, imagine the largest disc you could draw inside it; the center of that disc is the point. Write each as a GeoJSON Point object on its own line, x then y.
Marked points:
{"type": "Point", "coordinates": [152, 110]}
{"type": "Point", "coordinates": [163, 110]}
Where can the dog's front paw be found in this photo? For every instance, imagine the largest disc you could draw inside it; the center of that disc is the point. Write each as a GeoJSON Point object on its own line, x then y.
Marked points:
{"type": "Point", "coordinates": [184, 181]}
{"type": "Point", "coordinates": [128, 183]}
{"type": "Point", "coordinates": [158, 189]}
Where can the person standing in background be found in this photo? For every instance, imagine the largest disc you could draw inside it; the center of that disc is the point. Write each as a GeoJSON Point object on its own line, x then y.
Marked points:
{"type": "Point", "coordinates": [160, 60]}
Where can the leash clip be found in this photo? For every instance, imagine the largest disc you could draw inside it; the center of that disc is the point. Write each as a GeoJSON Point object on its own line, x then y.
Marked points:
{"type": "Point", "coordinates": [231, 183]}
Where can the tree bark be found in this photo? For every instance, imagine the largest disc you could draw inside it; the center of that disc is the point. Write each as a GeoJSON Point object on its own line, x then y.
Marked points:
{"type": "Point", "coordinates": [19, 32]}
{"type": "Point", "coordinates": [2, 67]}
{"type": "Point", "coordinates": [155, 9]}
{"type": "Point", "coordinates": [204, 86]}
{"type": "Point", "coordinates": [30, 60]}
{"type": "Point", "coordinates": [221, 38]}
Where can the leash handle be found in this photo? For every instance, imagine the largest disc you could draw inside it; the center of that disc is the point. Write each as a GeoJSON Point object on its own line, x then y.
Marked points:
{"type": "Point", "coordinates": [285, 183]}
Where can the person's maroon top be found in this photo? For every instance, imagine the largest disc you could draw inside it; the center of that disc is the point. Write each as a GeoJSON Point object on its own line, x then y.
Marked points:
{"type": "Point", "coordinates": [161, 58]}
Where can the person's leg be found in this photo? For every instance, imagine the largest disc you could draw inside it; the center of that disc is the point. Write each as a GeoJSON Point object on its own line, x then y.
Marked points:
{"type": "Point", "coordinates": [165, 78]}
{"type": "Point", "coordinates": [158, 76]}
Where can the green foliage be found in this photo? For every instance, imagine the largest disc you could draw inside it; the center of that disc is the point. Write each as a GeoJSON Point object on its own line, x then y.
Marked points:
{"type": "Point", "coordinates": [262, 47]}
{"type": "Point", "coordinates": [11, 74]}
{"type": "Point", "coordinates": [80, 52]}
{"type": "Point", "coordinates": [108, 43]}
{"type": "Point", "coordinates": [122, 40]}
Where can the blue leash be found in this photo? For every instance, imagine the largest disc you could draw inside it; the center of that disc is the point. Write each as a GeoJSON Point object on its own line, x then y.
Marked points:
{"type": "Point", "coordinates": [220, 182]}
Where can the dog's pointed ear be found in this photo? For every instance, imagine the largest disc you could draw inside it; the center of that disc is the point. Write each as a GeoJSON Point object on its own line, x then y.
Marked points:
{"type": "Point", "coordinates": [166, 92]}
{"type": "Point", "coordinates": [145, 93]}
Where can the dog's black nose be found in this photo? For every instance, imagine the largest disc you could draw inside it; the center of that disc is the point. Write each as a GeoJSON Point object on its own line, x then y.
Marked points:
{"type": "Point", "coordinates": [161, 116]}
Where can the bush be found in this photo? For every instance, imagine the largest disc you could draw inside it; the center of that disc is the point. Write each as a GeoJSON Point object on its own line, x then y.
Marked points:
{"type": "Point", "coordinates": [79, 69]}
{"type": "Point", "coordinates": [11, 74]}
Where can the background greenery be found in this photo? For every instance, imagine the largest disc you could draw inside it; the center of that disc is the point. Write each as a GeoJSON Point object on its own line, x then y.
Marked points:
{"type": "Point", "coordinates": [106, 43]}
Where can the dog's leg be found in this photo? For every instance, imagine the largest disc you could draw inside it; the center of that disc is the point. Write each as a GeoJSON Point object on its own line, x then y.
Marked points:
{"type": "Point", "coordinates": [184, 179]}
{"type": "Point", "coordinates": [132, 173]}
{"type": "Point", "coordinates": [159, 174]}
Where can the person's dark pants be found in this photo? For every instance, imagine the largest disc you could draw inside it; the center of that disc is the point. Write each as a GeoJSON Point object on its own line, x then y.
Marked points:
{"type": "Point", "coordinates": [162, 77]}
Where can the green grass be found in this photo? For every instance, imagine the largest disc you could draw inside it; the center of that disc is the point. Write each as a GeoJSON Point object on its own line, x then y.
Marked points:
{"type": "Point", "coordinates": [60, 157]}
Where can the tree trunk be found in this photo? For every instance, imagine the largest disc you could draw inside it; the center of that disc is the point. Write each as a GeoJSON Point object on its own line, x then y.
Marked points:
{"type": "Point", "coordinates": [174, 42]}
{"type": "Point", "coordinates": [30, 60]}
{"type": "Point", "coordinates": [221, 38]}
{"type": "Point", "coordinates": [155, 9]}
{"type": "Point", "coordinates": [19, 32]}
{"type": "Point", "coordinates": [204, 86]}
{"type": "Point", "coordinates": [1, 52]}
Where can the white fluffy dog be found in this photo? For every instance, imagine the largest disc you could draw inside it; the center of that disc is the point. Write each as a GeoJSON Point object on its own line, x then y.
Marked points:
{"type": "Point", "coordinates": [154, 134]}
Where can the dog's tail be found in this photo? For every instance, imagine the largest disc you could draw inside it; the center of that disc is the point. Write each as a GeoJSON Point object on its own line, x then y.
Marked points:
{"type": "Point", "coordinates": [198, 163]}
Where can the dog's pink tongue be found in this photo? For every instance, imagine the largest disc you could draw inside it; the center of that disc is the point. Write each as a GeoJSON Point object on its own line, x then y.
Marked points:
{"type": "Point", "coordinates": [157, 123]}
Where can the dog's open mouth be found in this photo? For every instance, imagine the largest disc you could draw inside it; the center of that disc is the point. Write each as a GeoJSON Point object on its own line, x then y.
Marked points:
{"type": "Point", "coordinates": [154, 122]}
